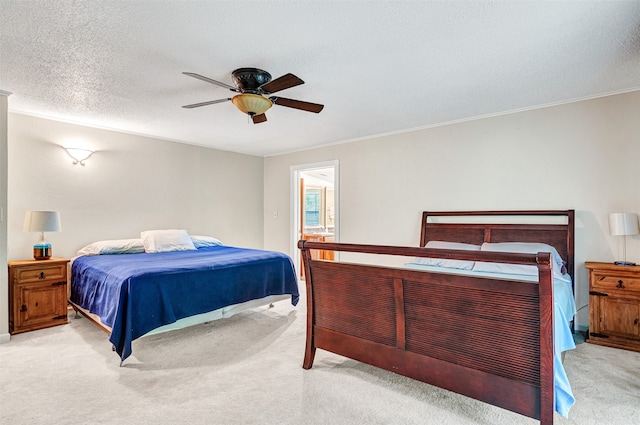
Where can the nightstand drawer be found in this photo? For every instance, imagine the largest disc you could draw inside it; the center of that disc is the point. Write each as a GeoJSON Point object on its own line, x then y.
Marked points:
{"type": "Point", "coordinates": [610, 281]}
{"type": "Point", "coordinates": [55, 272]}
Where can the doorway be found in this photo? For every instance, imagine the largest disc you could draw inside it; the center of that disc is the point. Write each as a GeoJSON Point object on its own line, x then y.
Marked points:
{"type": "Point", "coordinates": [315, 206]}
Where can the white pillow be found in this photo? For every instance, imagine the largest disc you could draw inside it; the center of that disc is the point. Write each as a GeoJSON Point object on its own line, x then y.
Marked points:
{"type": "Point", "coordinates": [444, 262]}
{"type": "Point", "coordinates": [202, 241]}
{"type": "Point", "coordinates": [521, 247]}
{"type": "Point", "coordinates": [166, 240]}
{"type": "Point", "coordinates": [113, 246]}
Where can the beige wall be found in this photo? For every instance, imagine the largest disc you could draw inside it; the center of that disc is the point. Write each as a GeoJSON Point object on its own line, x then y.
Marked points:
{"type": "Point", "coordinates": [130, 184]}
{"type": "Point", "coordinates": [580, 156]}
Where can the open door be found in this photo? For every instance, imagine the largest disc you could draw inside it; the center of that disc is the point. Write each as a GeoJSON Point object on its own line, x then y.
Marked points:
{"type": "Point", "coordinates": [315, 208]}
{"type": "Point", "coordinates": [316, 221]}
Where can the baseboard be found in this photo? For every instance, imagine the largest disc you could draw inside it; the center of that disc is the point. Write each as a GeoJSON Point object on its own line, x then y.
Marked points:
{"type": "Point", "coordinates": [582, 328]}
{"type": "Point", "coordinates": [4, 338]}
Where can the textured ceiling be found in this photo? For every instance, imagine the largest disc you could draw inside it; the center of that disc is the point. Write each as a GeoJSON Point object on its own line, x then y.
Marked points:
{"type": "Point", "coordinates": [378, 67]}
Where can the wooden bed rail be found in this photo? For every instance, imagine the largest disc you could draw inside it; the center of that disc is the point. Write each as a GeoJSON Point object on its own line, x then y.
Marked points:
{"type": "Point", "coordinates": [542, 258]}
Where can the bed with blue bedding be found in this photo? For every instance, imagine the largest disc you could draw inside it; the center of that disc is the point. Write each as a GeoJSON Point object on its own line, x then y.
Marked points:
{"type": "Point", "coordinates": [133, 294]}
{"type": "Point", "coordinates": [484, 306]}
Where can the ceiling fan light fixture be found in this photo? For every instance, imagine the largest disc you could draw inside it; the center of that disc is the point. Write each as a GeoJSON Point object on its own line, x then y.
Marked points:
{"type": "Point", "coordinates": [252, 104]}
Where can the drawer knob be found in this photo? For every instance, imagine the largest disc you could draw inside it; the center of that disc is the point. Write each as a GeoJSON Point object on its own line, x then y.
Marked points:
{"type": "Point", "coordinates": [23, 308]}
{"type": "Point", "coordinates": [620, 284]}
{"type": "Point", "coordinates": [41, 276]}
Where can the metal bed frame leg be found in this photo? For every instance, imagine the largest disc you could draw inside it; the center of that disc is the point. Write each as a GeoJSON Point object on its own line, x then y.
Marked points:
{"type": "Point", "coordinates": [113, 348]}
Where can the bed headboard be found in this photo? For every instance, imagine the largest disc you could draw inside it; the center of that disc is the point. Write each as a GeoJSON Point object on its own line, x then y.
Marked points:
{"type": "Point", "coordinates": [503, 226]}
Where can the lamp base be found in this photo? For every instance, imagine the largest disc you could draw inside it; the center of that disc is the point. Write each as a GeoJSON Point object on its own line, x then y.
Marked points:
{"type": "Point", "coordinates": [624, 263]}
{"type": "Point", "coordinates": [42, 251]}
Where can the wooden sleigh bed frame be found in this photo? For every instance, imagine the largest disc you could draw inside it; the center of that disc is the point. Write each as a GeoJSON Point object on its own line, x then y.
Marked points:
{"type": "Point", "coordinates": [487, 338]}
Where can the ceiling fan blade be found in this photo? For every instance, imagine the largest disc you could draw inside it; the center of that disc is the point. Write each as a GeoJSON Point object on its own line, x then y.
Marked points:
{"type": "Point", "coordinates": [257, 119]}
{"type": "Point", "coordinates": [297, 104]}
{"type": "Point", "coordinates": [209, 80]}
{"type": "Point", "coordinates": [281, 83]}
{"type": "Point", "coordinates": [211, 102]}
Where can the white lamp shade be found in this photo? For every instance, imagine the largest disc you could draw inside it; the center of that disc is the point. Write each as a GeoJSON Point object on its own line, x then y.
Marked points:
{"type": "Point", "coordinates": [623, 224]}
{"type": "Point", "coordinates": [42, 221]}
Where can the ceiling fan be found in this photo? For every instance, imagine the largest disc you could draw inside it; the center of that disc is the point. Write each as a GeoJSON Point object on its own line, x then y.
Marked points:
{"type": "Point", "coordinates": [254, 87]}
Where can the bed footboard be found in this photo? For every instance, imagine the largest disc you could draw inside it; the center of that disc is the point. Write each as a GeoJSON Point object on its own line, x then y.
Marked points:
{"type": "Point", "coordinates": [489, 339]}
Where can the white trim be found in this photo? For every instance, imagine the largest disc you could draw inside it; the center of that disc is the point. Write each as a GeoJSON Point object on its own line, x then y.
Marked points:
{"type": "Point", "coordinates": [582, 328]}
{"type": "Point", "coordinates": [456, 121]}
{"type": "Point", "coordinates": [4, 338]}
{"type": "Point", "coordinates": [296, 170]}
{"type": "Point", "coordinates": [123, 131]}
{"type": "Point", "coordinates": [4, 190]}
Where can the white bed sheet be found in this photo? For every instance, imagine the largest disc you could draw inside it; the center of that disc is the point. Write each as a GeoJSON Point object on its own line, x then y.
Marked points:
{"type": "Point", "coordinates": [224, 312]}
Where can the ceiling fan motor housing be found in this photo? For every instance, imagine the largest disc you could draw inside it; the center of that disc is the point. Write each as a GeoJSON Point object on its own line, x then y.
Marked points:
{"type": "Point", "coordinates": [249, 80]}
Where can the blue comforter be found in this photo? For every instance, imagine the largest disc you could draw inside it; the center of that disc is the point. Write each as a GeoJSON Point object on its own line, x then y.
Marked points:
{"type": "Point", "coordinates": [135, 293]}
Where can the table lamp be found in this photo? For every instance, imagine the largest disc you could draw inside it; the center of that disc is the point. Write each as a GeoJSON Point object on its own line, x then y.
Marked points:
{"type": "Point", "coordinates": [623, 224]}
{"type": "Point", "coordinates": [42, 221]}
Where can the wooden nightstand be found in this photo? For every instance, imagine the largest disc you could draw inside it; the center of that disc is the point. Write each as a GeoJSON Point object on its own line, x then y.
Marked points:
{"type": "Point", "coordinates": [37, 294]}
{"type": "Point", "coordinates": [614, 305]}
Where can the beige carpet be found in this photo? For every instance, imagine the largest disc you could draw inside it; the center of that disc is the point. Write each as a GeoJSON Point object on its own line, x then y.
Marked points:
{"type": "Point", "coordinates": [247, 370]}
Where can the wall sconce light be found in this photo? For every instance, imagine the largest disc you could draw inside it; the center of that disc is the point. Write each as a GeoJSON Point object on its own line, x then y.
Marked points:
{"type": "Point", "coordinates": [42, 221]}
{"type": "Point", "coordinates": [79, 155]}
{"type": "Point", "coordinates": [623, 224]}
